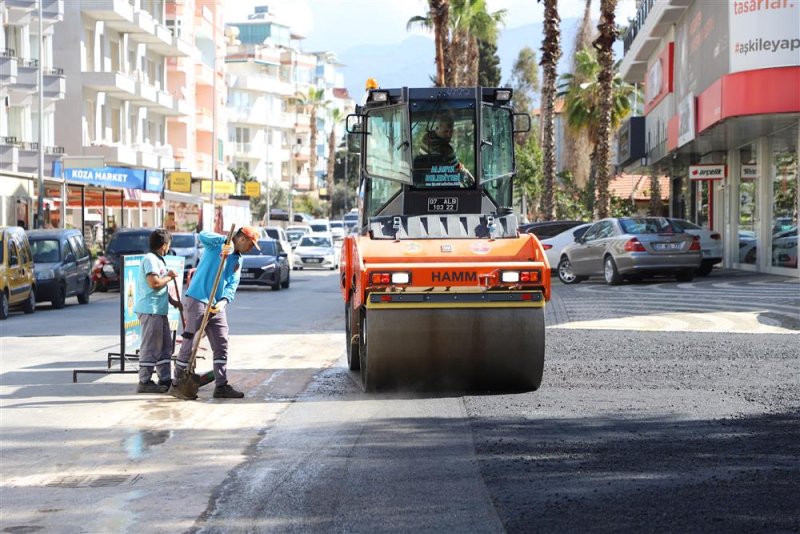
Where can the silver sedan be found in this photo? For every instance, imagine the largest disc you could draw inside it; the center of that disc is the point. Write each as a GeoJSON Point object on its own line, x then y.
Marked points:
{"type": "Point", "coordinates": [631, 248]}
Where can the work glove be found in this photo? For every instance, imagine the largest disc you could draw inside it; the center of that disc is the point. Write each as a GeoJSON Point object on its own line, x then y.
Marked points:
{"type": "Point", "coordinates": [227, 250]}
{"type": "Point", "coordinates": [219, 306]}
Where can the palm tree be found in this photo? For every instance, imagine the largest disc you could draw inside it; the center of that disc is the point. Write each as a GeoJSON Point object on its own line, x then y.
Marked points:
{"type": "Point", "coordinates": [551, 51]}
{"type": "Point", "coordinates": [336, 116]}
{"type": "Point", "coordinates": [605, 57]}
{"type": "Point", "coordinates": [312, 103]}
{"type": "Point", "coordinates": [436, 20]}
{"type": "Point", "coordinates": [582, 93]}
{"type": "Point", "coordinates": [469, 23]}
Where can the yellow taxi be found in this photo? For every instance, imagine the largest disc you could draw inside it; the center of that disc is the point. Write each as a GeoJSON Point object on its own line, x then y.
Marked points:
{"type": "Point", "coordinates": [17, 277]}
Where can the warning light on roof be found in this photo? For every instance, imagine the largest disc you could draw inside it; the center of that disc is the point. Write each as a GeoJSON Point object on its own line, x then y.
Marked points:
{"type": "Point", "coordinates": [372, 83]}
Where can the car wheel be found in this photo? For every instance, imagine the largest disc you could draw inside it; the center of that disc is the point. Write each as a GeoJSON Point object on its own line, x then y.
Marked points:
{"type": "Point", "coordinates": [285, 285]}
{"type": "Point", "coordinates": [351, 347]}
{"type": "Point", "coordinates": [705, 268]}
{"type": "Point", "coordinates": [565, 273]}
{"type": "Point", "coordinates": [30, 304]}
{"type": "Point", "coordinates": [3, 306]}
{"type": "Point", "coordinates": [277, 285]}
{"type": "Point", "coordinates": [61, 298]}
{"type": "Point", "coordinates": [685, 276]}
{"type": "Point", "coordinates": [83, 296]}
{"type": "Point", "coordinates": [610, 272]}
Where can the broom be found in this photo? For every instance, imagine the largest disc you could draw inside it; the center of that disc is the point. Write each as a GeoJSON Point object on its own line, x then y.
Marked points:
{"type": "Point", "coordinates": [190, 384]}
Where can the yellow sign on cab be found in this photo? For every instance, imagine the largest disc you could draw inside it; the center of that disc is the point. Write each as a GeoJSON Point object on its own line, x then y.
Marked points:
{"type": "Point", "coordinates": [180, 181]}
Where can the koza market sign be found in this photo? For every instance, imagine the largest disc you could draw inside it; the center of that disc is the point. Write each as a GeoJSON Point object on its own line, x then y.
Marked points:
{"type": "Point", "coordinates": [764, 34]}
{"type": "Point", "coordinates": [108, 176]}
{"type": "Point", "coordinates": [707, 172]}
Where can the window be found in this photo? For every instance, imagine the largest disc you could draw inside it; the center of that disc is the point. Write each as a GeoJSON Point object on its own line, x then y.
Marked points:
{"type": "Point", "coordinates": [497, 144]}
{"type": "Point", "coordinates": [78, 246]}
{"type": "Point", "coordinates": [45, 251]}
{"type": "Point", "coordinates": [748, 205]}
{"type": "Point", "coordinates": [13, 259]}
{"type": "Point", "coordinates": [784, 228]}
{"type": "Point", "coordinates": [387, 144]}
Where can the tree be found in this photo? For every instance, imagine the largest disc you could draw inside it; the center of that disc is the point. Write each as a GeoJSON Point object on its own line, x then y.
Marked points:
{"type": "Point", "coordinates": [577, 145]}
{"type": "Point", "coordinates": [525, 82]}
{"type": "Point", "coordinates": [551, 51]}
{"type": "Point", "coordinates": [605, 57]}
{"type": "Point", "coordinates": [488, 64]}
{"type": "Point", "coordinates": [436, 20]}
{"type": "Point", "coordinates": [582, 105]}
{"type": "Point", "coordinates": [336, 116]}
{"type": "Point", "coordinates": [469, 23]}
{"type": "Point", "coordinates": [312, 103]}
{"type": "Point", "coordinates": [655, 192]}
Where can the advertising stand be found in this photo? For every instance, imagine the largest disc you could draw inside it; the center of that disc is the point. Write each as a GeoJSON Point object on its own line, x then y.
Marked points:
{"type": "Point", "coordinates": [130, 335]}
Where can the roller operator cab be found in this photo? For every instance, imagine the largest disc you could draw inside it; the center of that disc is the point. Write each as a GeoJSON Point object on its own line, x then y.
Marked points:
{"type": "Point", "coordinates": [440, 289]}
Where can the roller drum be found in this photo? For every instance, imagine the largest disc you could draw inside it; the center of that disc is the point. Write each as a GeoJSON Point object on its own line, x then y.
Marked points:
{"type": "Point", "coordinates": [460, 348]}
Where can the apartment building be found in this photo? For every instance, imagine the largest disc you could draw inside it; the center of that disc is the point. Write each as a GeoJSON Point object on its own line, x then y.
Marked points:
{"type": "Point", "coordinates": [269, 126]}
{"type": "Point", "coordinates": [722, 119]}
{"type": "Point", "coordinates": [114, 54]}
{"type": "Point", "coordinates": [20, 61]}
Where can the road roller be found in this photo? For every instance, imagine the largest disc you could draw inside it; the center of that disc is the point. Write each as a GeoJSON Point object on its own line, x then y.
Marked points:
{"type": "Point", "coordinates": [440, 288]}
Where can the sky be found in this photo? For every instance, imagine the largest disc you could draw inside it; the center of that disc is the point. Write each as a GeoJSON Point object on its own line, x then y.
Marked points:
{"type": "Point", "coordinates": [338, 25]}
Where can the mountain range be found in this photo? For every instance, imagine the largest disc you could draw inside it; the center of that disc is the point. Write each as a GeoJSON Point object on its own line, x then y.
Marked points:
{"type": "Point", "coordinates": [411, 62]}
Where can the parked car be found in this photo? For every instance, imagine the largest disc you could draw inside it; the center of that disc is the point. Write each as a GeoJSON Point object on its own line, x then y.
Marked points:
{"type": "Point", "coordinates": [315, 250]}
{"type": "Point", "coordinates": [784, 248]}
{"type": "Point", "coordinates": [283, 216]}
{"type": "Point", "coordinates": [62, 265]}
{"type": "Point", "coordinates": [106, 270]}
{"type": "Point", "coordinates": [553, 246]}
{"type": "Point", "coordinates": [17, 278]}
{"type": "Point", "coordinates": [187, 244]}
{"type": "Point", "coordinates": [279, 234]}
{"type": "Point", "coordinates": [266, 267]}
{"type": "Point", "coordinates": [632, 248]}
{"type": "Point", "coordinates": [295, 232]}
{"type": "Point", "coordinates": [337, 230]}
{"type": "Point", "coordinates": [548, 229]}
{"type": "Point", "coordinates": [710, 244]}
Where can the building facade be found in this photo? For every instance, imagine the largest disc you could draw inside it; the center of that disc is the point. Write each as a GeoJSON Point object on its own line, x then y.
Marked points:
{"type": "Point", "coordinates": [721, 116]}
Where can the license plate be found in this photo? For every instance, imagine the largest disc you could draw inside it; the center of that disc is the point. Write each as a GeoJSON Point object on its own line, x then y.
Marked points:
{"type": "Point", "coordinates": [312, 260]}
{"type": "Point", "coordinates": [443, 204]}
{"type": "Point", "coordinates": [248, 275]}
{"type": "Point", "coordinates": [667, 246]}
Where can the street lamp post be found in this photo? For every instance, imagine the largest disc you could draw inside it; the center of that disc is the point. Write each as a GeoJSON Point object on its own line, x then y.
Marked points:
{"type": "Point", "coordinates": [40, 81]}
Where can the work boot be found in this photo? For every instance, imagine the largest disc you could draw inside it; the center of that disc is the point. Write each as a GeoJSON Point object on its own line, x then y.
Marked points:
{"type": "Point", "coordinates": [178, 394]}
{"type": "Point", "coordinates": [227, 392]}
{"type": "Point", "coordinates": [150, 387]}
{"type": "Point", "coordinates": [165, 382]}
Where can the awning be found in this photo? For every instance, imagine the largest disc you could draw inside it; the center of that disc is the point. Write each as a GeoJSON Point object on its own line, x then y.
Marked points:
{"type": "Point", "coordinates": [174, 196]}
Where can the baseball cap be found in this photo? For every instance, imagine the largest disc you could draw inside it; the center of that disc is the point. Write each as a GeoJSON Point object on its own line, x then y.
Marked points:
{"type": "Point", "coordinates": [251, 233]}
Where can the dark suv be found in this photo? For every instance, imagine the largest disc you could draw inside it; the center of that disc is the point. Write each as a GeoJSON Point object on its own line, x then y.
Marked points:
{"type": "Point", "coordinates": [124, 241]}
{"type": "Point", "coordinates": [62, 265]}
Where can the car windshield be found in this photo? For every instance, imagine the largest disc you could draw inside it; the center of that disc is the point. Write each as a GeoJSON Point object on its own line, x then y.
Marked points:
{"type": "Point", "coordinates": [313, 241]}
{"type": "Point", "coordinates": [685, 225]}
{"type": "Point", "coordinates": [267, 249]}
{"type": "Point", "coordinates": [182, 240]}
{"type": "Point", "coordinates": [337, 225]}
{"type": "Point", "coordinates": [649, 225]}
{"type": "Point", "coordinates": [272, 232]}
{"type": "Point", "coordinates": [319, 227]}
{"type": "Point", "coordinates": [45, 250]}
{"type": "Point", "coordinates": [129, 243]}
{"type": "Point", "coordinates": [295, 235]}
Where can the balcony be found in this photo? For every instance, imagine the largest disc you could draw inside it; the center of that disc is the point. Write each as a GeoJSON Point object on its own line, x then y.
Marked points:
{"type": "Point", "coordinates": [27, 74]}
{"type": "Point", "coordinates": [146, 156]}
{"type": "Point", "coordinates": [8, 66]}
{"type": "Point", "coordinates": [55, 85]}
{"type": "Point", "coordinates": [53, 10]}
{"type": "Point", "coordinates": [204, 75]}
{"type": "Point", "coordinates": [202, 165]}
{"type": "Point", "coordinates": [9, 154]}
{"type": "Point", "coordinates": [653, 20]}
{"type": "Point", "coordinates": [204, 120]}
{"type": "Point", "coordinates": [264, 84]}
{"type": "Point", "coordinates": [254, 116]}
{"type": "Point", "coordinates": [170, 45]}
{"type": "Point", "coordinates": [113, 154]}
{"type": "Point", "coordinates": [280, 120]}
{"type": "Point", "coordinates": [29, 157]}
{"type": "Point", "coordinates": [114, 83]}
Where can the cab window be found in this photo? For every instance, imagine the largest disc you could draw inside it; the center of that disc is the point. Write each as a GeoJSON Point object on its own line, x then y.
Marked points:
{"type": "Point", "coordinates": [388, 144]}
{"type": "Point", "coordinates": [497, 146]}
{"type": "Point", "coordinates": [381, 192]}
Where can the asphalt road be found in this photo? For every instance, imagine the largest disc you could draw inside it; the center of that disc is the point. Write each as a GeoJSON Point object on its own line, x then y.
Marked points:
{"type": "Point", "coordinates": [664, 407]}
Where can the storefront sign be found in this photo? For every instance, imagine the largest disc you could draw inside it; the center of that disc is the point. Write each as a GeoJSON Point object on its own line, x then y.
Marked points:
{"type": "Point", "coordinates": [707, 172]}
{"type": "Point", "coordinates": [180, 181]}
{"type": "Point", "coordinates": [749, 172]}
{"type": "Point", "coordinates": [154, 181]}
{"type": "Point", "coordinates": [764, 34]}
{"type": "Point", "coordinates": [630, 141]}
{"type": "Point", "coordinates": [220, 187]}
{"type": "Point", "coordinates": [686, 120]}
{"type": "Point", "coordinates": [658, 82]}
{"type": "Point", "coordinates": [108, 176]}
{"type": "Point", "coordinates": [252, 189]}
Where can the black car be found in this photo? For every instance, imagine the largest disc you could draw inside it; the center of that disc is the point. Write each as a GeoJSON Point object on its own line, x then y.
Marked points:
{"type": "Point", "coordinates": [266, 267]}
{"type": "Point", "coordinates": [548, 229]}
{"type": "Point", "coordinates": [106, 270]}
{"type": "Point", "coordinates": [62, 265]}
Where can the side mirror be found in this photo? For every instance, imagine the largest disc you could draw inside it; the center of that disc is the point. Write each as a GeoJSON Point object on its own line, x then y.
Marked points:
{"type": "Point", "coordinates": [522, 122]}
{"type": "Point", "coordinates": [69, 258]}
{"type": "Point", "coordinates": [283, 255]}
{"type": "Point", "coordinates": [355, 124]}
{"type": "Point", "coordinates": [580, 240]}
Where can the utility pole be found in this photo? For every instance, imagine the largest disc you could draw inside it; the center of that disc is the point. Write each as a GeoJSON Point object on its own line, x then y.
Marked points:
{"type": "Point", "coordinates": [213, 119]}
{"type": "Point", "coordinates": [40, 81]}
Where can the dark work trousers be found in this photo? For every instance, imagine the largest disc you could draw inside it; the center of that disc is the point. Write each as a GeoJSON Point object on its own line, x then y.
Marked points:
{"type": "Point", "coordinates": [156, 348]}
{"type": "Point", "coordinates": [216, 331]}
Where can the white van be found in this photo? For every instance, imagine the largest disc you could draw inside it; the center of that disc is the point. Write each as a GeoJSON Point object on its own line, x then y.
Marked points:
{"type": "Point", "coordinates": [320, 226]}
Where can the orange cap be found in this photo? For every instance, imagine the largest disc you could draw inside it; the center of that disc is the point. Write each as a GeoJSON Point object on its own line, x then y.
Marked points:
{"type": "Point", "coordinates": [251, 233]}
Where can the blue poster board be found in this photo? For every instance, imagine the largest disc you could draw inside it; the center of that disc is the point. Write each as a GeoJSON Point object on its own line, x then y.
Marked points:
{"type": "Point", "coordinates": [131, 336]}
